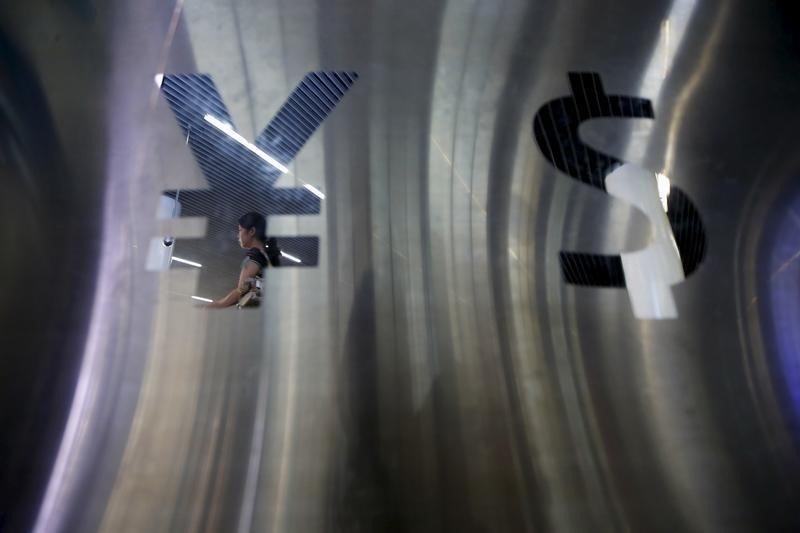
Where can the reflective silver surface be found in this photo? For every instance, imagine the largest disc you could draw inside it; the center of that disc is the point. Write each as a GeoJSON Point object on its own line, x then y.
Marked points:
{"type": "Point", "coordinates": [435, 371]}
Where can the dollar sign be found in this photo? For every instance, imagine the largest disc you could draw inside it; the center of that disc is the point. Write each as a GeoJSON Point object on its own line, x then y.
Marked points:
{"type": "Point", "coordinates": [680, 241]}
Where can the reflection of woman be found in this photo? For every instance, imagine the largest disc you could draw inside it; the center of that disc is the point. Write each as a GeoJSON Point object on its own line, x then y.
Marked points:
{"type": "Point", "coordinates": [253, 238]}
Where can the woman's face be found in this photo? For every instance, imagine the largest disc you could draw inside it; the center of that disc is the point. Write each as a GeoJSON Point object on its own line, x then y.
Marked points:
{"type": "Point", "coordinates": [246, 236]}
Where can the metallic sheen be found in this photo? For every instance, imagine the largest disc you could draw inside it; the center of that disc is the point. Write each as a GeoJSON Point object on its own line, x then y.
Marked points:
{"type": "Point", "coordinates": [435, 369]}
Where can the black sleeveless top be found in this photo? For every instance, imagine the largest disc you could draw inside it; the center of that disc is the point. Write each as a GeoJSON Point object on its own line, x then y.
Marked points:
{"type": "Point", "coordinates": [254, 254]}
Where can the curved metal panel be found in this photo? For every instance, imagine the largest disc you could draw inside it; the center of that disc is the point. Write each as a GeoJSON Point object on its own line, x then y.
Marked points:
{"type": "Point", "coordinates": [460, 350]}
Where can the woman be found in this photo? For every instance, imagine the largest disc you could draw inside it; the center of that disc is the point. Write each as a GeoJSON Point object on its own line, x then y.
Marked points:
{"type": "Point", "coordinates": [260, 252]}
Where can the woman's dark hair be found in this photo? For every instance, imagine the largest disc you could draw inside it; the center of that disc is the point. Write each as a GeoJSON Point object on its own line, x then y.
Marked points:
{"type": "Point", "coordinates": [257, 221]}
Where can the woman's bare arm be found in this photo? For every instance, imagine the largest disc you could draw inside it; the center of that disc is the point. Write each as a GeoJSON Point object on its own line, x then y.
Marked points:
{"type": "Point", "coordinates": [249, 271]}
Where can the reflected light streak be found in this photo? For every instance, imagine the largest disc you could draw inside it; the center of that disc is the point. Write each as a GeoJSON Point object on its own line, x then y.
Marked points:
{"type": "Point", "coordinates": [73, 458]}
{"type": "Point", "coordinates": [673, 30]}
{"type": "Point", "coordinates": [663, 189]}
{"type": "Point", "coordinates": [290, 257]}
{"type": "Point", "coordinates": [784, 283]}
{"type": "Point", "coordinates": [664, 404]}
{"type": "Point", "coordinates": [228, 130]}
{"type": "Point", "coordinates": [66, 470]}
{"type": "Point", "coordinates": [672, 33]}
{"type": "Point", "coordinates": [186, 262]}
{"type": "Point", "coordinates": [667, 60]}
{"type": "Point", "coordinates": [200, 298]}
{"type": "Point", "coordinates": [681, 102]}
{"type": "Point", "coordinates": [315, 191]}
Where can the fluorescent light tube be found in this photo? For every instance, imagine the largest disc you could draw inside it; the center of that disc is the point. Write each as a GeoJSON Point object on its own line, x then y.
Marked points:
{"type": "Point", "coordinates": [290, 257]}
{"type": "Point", "coordinates": [228, 130]}
{"type": "Point", "coordinates": [314, 190]}
{"type": "Point", "coordinates": [186, 261]}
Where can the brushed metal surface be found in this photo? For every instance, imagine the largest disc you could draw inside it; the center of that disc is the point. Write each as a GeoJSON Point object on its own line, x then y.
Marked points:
{"type": "Point", "coordinates": [434, 371]}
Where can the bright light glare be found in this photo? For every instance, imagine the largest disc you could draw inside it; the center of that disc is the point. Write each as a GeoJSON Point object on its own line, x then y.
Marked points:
{"type": "Point", "coordinates": [158, 79]}
{"type": "Point", "coordinates": [186, 262]}
{"type": "Point", "coordinates": [663, 189]}
{"type": "Point", "coordinates": [314, 190]}
{"type": "Point", "coordinates": [228, 130]}
{"type": "Point", "coordinates": [290, 257]}
{"type": "Point", "coordinates": [202, 299]}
